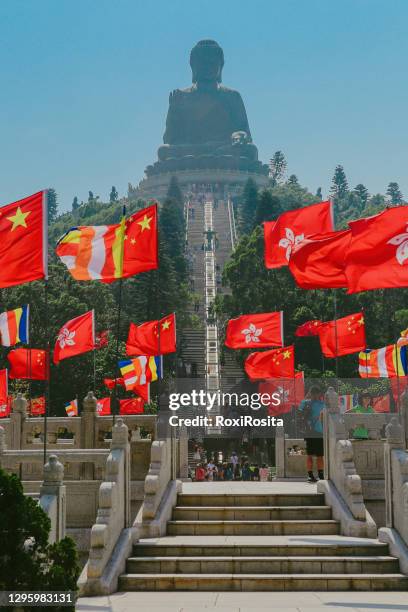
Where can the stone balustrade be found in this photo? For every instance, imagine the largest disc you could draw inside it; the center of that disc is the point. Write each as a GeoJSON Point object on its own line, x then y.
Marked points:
{"type": "Point", "coordinates": [53, 497]}
{"type": "Point", "coordinates": [395, 533]}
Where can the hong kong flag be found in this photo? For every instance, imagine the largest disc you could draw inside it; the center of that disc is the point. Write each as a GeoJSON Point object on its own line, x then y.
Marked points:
{"type": "Point", "coordinates": [152, 337]}
{"type": "Point", "coordinates": [75, 337]}
{"type": "Point", "coordinates": [112, 382]}
{"type": "Point", "coordinates": [103, 406]}
{"type": "Point", "coordinates": [291, 392]}
{"type": "Point", "coordinates": [255, 331]}
{"type": "Point", "coordinates": [276, 363]}
{"type": "Point", "coordinates": [291, 228]}
{"type": "Point", "coordinates": [319, 261]}
{"type": "Point", "coordinates": [343, 336]}
{"type": "Point", "coordinates": [28, 363]}
{"type": "Point", "coordinates": [309, 328]}
{"type": "Point", "coordinates": [135, 405]}
{"type": "Point", "coordinates": [378, 254]}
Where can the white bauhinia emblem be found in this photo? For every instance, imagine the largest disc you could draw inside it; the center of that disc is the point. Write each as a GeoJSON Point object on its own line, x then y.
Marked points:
{"type": "Point", "coordinates": [401, 241]}
{"type": "Point", "coordinates": [66, 338]}
{"type": "Point", "coordinates": [290, 241]}
{"type": "Point", "coordinates": [252, 333]}
{"type": "Point", "coordinates": [284, 394]}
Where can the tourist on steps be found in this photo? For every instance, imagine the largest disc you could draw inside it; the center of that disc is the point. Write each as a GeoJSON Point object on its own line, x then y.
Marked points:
{"type": "Point", "coordinates": [312, 408]}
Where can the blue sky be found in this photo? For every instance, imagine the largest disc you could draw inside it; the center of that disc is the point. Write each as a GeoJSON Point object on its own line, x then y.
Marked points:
{"type": "Point", "coordinates": [85, 87]}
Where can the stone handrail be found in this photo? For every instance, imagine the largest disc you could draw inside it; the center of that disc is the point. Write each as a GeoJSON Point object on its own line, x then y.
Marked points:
{"type": "Point", "coordinates": [10, 459]}
{"type": "Point", "coordinates": [111, 534]}
{"type": "Point", "coordinates": [53, 498]}
{"type": "Point", "coordinates": [342, 485]}
{"type": "Point", "coordinates": [396, 497]}
{"type": "Point", "coordinates": [158, 477]}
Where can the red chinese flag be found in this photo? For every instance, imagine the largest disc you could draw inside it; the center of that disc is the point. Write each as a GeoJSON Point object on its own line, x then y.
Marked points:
{"type": "Point", "coordinates": [318, 261]}
{"type": "Point", "coordinates": [143, 391]}
{"type": "Point", "coordinates": [378, 254]}
{"type": "Point", "coordinates": [76, 337]}
{"type": "Point", "coordinates": [290, 390]}
{"type": "Point", "coordinates": [102, 339]}
{"type": "Point", "coordinates": [135, 405]}
{"type": "Point", "coordinates": [291, 228]}
{"type": "Point", "coordinates": [309, 328]}
{"type": "Point", "coordinates": [103, 406]}
{"type": "Point", "coordinates": [344, 336]}
{"type": "Point", "coordinates": [144, 339]}
{"type": "Point", "coordinates": [28, 363]}
{"type": "Point", "coordinates": [37, 406]}
{"type": "Point", "coordinates": [140, 251]}
{"type": "Point", "coordinates": [381, 404]}
{"type": "Point", "coordinates": [255, 331]}
{"type": "Point", "coordinates": [398, 385]}
{"type": "Point", "coordinates": [111, 382]}
{"type": "Point", "coordinates": [276, 363]}
{"type": "Point", "coordinates": [4, 404]}
{"type": "Point", "coordinates": [24, 241]}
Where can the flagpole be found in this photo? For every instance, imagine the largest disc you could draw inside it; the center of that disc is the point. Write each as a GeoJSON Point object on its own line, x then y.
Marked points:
{"type": "Point", "coordinates": [335, 333]}
{"type": "Point", "coordinates": [47, 370]}
{"type": "Point", "coordinates": [94, 371]}
{"type": "Point", "coordinates": [116, 402]}
{"type": "Point", "coordinates": [396, 347]}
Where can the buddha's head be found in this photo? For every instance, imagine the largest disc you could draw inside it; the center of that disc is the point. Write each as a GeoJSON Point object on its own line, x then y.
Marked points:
{"type": "Point", "coordinates": [207, 61]}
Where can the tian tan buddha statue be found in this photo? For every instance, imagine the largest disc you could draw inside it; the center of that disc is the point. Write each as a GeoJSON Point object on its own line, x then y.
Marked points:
{"type": "Point", "coordinates": [207, 126]}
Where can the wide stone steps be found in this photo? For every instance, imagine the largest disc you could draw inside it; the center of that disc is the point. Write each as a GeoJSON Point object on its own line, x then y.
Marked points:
{"type": "Point", "coordinates": [263, 565]}
{"type": "Point", "coordinates": [263, 582]}
{"type": "Point", "coordinates": [255, 527]}
{"type": "Point", "coordinates": [250, 499]}
{"type": "Point", "coordinates": [258, 513]}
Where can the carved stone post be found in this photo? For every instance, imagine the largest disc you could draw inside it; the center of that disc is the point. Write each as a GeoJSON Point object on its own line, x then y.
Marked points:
{"type": "Point", "coordinates": [404, 415]}
{"type": "Point", "coordinates": [53, 490]}
{"type": "Point", "coordinates": [120, 440]}
{"type": "Point", "coordinates": [183, 454]}
{"type": "Point", "coordinates": [280, 456]}
{"type": "Point", "coordinates": [395, 440]}
{"type": "Point", "coordinates": [17, 418]}
{"type": "Point", "coordinates": [332, 408]}
{"type": "Point", "coordinates": [88, 422]}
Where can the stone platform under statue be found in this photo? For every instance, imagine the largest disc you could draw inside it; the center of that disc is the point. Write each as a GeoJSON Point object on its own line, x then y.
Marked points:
{"type": "Point", "coordinates": [207, 138]}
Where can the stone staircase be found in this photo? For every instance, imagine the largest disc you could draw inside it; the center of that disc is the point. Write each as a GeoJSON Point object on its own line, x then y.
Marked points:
{"type": "Point", "coordinates": [258, 542]}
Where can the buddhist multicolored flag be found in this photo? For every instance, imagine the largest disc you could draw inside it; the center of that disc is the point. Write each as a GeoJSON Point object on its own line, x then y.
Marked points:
{"type": "Point", "coordinates": [348, 402]}
{"type": "Point", "coordinates": [28, 363]}
{"type": "Point", "coordinates": [14, 326]}
{"type": "Point", "coordinates": [75, 337]}
{"type": "Point", "coordinates": [24, 241]}
{"type": "Point", "coordinates": [385, 362]}
{"type": "Point", "coordinates": [276, 363]}
{"type": "Point", "coordinates": [109, 252]}
{"type": "Point", "coordinates": [140, 370]}
{"type": "Point", "coordinates": [309, 328]}
{"type": "Point", "coordinates": [377, 257]}
{"type": "Point", "coordinates": [103, 406]}
{"type": "Point", "coordinates": [145, 339]}
{"type": "Point", "coordinates": [291, 228]}
{"type": "Point", "coordinates": [37, 406]}
{"type": "Point", "coordinates": [255, 330]}
{"type": "Point", "coordinates": [4, 403]}
{"type": "Point", "coordinates": [343, 336]}
{"type": "Point", "coordinates": [134, 405]}
{"type": "Point", "coordinates": [318, 261]}
{"type": "Point", "coordinates": [71, 408]}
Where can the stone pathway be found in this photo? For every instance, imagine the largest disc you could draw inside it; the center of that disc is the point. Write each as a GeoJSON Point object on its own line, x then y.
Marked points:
{"type": "Point", "coordinates": [246, 602]}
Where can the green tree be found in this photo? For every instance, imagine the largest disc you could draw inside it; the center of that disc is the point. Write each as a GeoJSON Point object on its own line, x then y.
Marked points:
{"type": "Point", "coordinates": [361, 192]}
{"type": "Point", "coordinates": [268, 208]}
{"type": "Point", "coordinates": [319, 193]}
{"type": "Point", "coordinates": [277, 168]}
{"type": "Point", "coordinates": [27, 561]}
{"type": "Point", "coordinates": [174, 192]}
{"type": "Point", "coordinates": [90, 196]}
{"type": "Point", "coordinates": [293, 180]}
{"type": "Point", "coordinates": [113, 196]}
{"type": "Point", "coordinates": [339, 188]}
{"type": "Point", "coordinates": [394, 193]}
{"type": "Point", "coordinates": [75, 203]}
{"type": "Point", "coordinates": [52, 205]}
{"type": "Point", "coordinates": [248, 206]}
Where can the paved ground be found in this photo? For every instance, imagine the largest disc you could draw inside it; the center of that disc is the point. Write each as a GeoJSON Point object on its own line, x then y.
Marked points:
{"type": "Point", "coordinates": [246, 602]}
